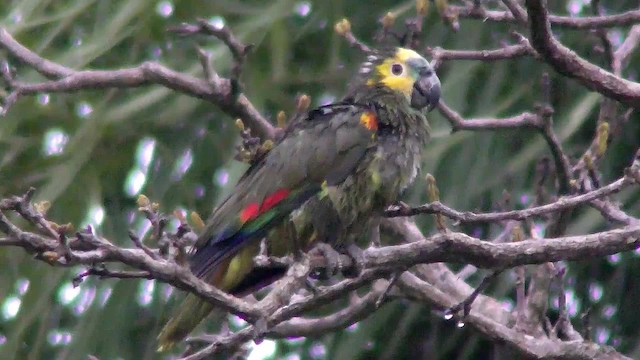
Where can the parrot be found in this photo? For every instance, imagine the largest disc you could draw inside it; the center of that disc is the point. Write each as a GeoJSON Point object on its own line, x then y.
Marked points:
{"type": "Point", "coordinates": [336, 167]}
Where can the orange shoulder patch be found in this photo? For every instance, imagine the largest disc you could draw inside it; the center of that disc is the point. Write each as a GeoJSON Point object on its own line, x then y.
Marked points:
{"type": "Point", "coordinates": [369, 120]}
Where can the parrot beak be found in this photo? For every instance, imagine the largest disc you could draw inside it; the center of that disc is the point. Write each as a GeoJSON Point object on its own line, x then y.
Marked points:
{"type": "Point", "coordinates": [426, 90]}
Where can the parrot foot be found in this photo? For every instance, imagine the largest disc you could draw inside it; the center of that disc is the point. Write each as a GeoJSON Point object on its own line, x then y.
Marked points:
{"type": "Point", "coordinates": [332, 262]}
{"type": "Point", "coordinates": [357, 256]}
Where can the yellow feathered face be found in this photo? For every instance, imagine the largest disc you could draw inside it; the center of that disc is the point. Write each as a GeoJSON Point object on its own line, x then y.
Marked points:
{"type": "Point", "coordinates": [405, 72]}
{"type": "Point", "coordinates": [398, 72]}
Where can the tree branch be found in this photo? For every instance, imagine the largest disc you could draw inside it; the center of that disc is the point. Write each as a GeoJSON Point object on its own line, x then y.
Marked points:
{"type": "Point", "coordinates": [219, 92]}
{"type": "Point", "coordinates": [278, 314]}
{"type": "Point", "coordinates": [524, 120]}
{"type": "Point", "coordinates": [438, 55]}
{"type": "Point", "coordinates": [470, 217]}
{"type": "Point", "coordinates": [437, 286]}
{"type": "Point", "coordinates": [537, 348]}
{"type": "Point", "coordinates": [472, 11]}
{"type": "Point", "coordinates": [570, 64]}
{"type": "Point", "coordinates": [460, 248]}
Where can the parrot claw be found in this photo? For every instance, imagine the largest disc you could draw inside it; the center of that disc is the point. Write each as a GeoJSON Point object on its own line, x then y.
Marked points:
{"type": "Point", "coordinates": [357, 256]}
{"type": "Point", "coordinates": [332, 262]}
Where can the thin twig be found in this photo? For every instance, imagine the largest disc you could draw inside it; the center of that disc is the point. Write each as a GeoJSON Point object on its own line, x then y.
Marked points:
{"type": "Point", "coordinates": [69, 80]}
{"type": "Point", "coordinates": [524, 120]}
{"type": "Point", "coordinates": [562, 165]}
{"type": "Point", "coordinates": [343, 28]}
{"type": "Point", "coordinates": [470, 217]}
{"type": "Point", "coordinates": [578, 23]}
{"type": "Point", "coordinates": [516, 10]}
{"type": "Point", "coordinates": [239, 50]}
{"type": "Point", "coordinates": [465, 305]}
{"type": "Point", "coordinates": [438, 55]}
{"type": "Point", "coordinates": [563, 325]}
{"type": "Point", "coordinates": [103, 272]}
{"type": "Point", "coordinates": [621, 55]}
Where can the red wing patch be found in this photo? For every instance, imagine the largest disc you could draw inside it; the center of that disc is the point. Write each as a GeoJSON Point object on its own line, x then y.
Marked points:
{"type": "Point", "coordinates": [253, 210]}
{"type": "Point", "coordinates": [273, 199]}
{"type": "Point", "coordinates": [369, 120]}
{"type": "Point", "coordinates": [249, 212]}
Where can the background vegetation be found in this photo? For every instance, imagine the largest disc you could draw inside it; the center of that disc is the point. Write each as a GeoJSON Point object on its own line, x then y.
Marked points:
{"type": "Point", "coordinates": [91, 153]}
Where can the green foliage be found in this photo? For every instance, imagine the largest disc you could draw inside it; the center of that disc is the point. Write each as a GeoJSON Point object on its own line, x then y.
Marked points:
{"type": "Point", "coordinates": [87, 153]}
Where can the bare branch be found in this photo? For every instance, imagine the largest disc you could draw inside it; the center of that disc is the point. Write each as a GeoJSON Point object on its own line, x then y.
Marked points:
{"type": "Point", "coordinates": [438, 55]}
{"type": "Point", "coordinates": [22, 205]}
{"type": "Point", "coordinates": [354, 312]}
{"type": "Point", "coordinates": [238, 49]}
{"type": "Point", "coordinates": [623, 52]}
{"type": "Point", "coordinates": [524, 120]}
{"type": "Point", "coordinates": [438, 286]}
{"type": "Point", "coordinates": [465, 305]}
{"type": "Point", "coordinates": [563, 167]}
{"type": "Point", "coordinates": [103, 251]}
{"type": "Point", "coordinates": [570, 64]}
{"type": "Point", "coordinates": [538, 348]}
{"type": "Point", "coordinates": [563, 324]}
{"type": "Point", "coordinates": [103, 272]}
{"type": "Point", "coordinates": [470, 217]}
{"type": "Point", "coordinates": [460, 248]}
{"type": "Point", "coordinates": [279, 313]}
{"type": "Point", "coordinates": [449, 247]}
{"type": "Point", "coordinates": [516, 10]}
{"type": "Point", "coordinates": [343, 28]}
{"type": "Point", "coordinates": [45, 67]}
{"type": "Point", "coordinates": [218, 92]}
{"type": "Point", "coordinates": [613, 212]}
{"type": "Point", "coordinates": [578, 23]}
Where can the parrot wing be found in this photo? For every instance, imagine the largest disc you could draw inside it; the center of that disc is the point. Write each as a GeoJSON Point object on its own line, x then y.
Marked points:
{"type": "Point", "coordinates": [319, 150]}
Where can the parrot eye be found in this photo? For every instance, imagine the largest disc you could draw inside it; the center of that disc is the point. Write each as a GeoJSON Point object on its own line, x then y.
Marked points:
{"type": "Point", "coordinates": [397, 69]}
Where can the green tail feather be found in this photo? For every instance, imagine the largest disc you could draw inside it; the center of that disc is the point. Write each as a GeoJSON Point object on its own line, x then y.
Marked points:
{"type": "Point", "coordinates": [190, 313]}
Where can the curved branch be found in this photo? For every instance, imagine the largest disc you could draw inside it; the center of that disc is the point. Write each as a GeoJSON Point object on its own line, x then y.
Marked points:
{"type": "Point", "coordinates": [218, 92]}
{"type": "Point", "coordinates": [437, 286]}
{"type": "Point", "coordinates": [378, 262]}
{"type": "Point", "coordinates": [460, 248]}
{"type": "Point", "coordinates": [570, 64]}
{"type": "Point", "coordinates": [275, 315]}
{"type": "Point", "coordinates": [100, 251]}
{"type": "Point", "coordinates": [438, 54]}
{"type": "Point", "coordinates": [526, 120]}
{"type": "Point", "coordinates": [470, 217]}
{"type": "Point", "coordinates": [357, 311]}
{"type": "Point", "coordinates": [537, 348]}
{"type": "Point", "coordinates": [578, 23]}
{"type": "Point", "coordinates": [447, 247]}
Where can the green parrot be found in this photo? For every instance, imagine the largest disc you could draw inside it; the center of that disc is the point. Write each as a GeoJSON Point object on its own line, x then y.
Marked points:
{"type": "Point", "coordinates": [336, 168]}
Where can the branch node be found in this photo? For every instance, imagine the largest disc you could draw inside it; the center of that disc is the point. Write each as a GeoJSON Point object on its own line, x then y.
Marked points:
{"type": "Point", "coordinates": [343, 28]}
{"type": "Point", "coordinates": [465, 305]}
{"type": "Point", "coordinates": [138, 243]}
{"type": "Point", "coordinates": [392, 281]}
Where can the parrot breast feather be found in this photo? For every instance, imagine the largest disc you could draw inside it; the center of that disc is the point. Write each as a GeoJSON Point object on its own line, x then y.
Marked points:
{"type": "Point", "coordinates": [323, 148]}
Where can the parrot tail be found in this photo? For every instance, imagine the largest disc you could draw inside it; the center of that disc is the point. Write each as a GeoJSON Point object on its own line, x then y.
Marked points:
{"type": "Point", "coordinates": [190, 313]}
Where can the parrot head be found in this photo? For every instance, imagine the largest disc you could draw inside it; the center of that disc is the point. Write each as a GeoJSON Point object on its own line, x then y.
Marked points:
{"type": "Point", "coordinates": [405, 71]}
